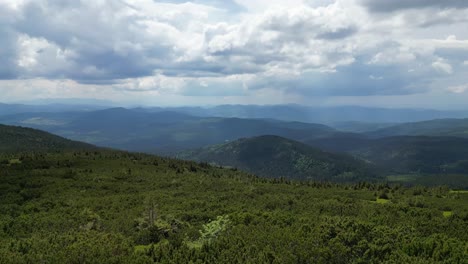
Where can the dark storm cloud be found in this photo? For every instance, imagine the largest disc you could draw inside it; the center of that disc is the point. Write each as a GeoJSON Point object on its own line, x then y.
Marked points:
{"type": "Point", "coordinates": [8, 67]}
{"type": "Point", "coordinates": [394, 5]}
{"type": "Point", "coordinates": [338, 34]}
{"type": "Point", "coordinates": [355, 80]}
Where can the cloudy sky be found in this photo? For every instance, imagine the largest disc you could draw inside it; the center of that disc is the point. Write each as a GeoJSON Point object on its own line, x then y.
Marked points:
{"type": "Point", "coordinates": [392, 53]}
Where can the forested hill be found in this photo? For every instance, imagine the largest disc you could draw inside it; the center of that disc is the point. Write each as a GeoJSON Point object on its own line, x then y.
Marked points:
{"type": "Point", "coordinates": [274, 156]}
{"type": "Point", "coordinates": [17, 139]}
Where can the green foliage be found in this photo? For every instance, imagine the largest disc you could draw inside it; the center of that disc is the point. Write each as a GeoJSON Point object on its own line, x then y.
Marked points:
{"type": "Point", "coordinates": [17, 139]}
{"type": "Point", "coordinates": [115, 207]}
{"type": "Point", "coordinates": [273, 156]}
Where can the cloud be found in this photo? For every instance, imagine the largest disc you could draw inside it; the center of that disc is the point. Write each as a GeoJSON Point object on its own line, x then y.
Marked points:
{"type": "Point", "coordinates": [105, 40]}
{"type": "Point", "coordinates": [394, 5]}
{"type": "Point", "coordinates": [458, 89]}
{"type": "Point", "coordinates": [235, 49]}
{"type": "Point", "coordinates": [442, 67]}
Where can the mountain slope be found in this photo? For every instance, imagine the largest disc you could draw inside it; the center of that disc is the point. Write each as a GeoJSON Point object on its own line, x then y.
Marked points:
{"type": "Point", "coordinates": [437, 127]}
{"type": "Point", "coordinates": [405, 154]}
{"type": "Point", "coordinates": [118, 207]}
{"type": "Point", "coordinates": [273, 156]}
{"type": "Point", "coordinates": [17, 139]}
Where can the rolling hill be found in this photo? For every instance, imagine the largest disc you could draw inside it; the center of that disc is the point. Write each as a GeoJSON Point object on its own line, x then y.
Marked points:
{"type": "Point", "coordinates": [273, 156]}
{"type": "Point", "coordinates": [18, 139]}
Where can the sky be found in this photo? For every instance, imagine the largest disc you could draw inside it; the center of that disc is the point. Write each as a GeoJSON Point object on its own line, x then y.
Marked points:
{"type": "Point", "coordinates": [389, 53]}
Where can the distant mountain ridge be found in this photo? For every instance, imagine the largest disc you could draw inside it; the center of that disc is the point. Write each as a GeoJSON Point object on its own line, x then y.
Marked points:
{"type": "Point", "coordinates": [317, 114]}
{"type": "Point", "coordinates": [161, 131]}
{"type": "Point", "coordinates": [450, 127]}
{"type": "Point", "coordinates": [10, 109]}
{"type": "Point", "coordinates": [274, 156]}
{"type": "Point", "coordinates": [289, 112]}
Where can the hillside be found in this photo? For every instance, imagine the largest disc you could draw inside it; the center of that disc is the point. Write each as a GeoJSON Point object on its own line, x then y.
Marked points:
{"type": "Point", "coordinates": [17, 139]}
{"type": "Point", "coordinates": [273, 156]}
{"type": "Point", "coordinates": [405, 154]}
{"type": "Point", "coordinates": [115, 207]}
{"type": "Point", "coordinates": [437, 127]}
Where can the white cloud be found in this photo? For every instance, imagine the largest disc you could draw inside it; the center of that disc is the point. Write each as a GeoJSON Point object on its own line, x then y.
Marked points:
{"type": "Point", "coordinates": [393, 56]}
{"type": "Point", "coordinates": [442, 66]}
{"type": "Point", "coordinates": [458, 89]}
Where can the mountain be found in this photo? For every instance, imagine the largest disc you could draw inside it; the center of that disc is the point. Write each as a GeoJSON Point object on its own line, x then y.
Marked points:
{"type": "Point", "coordinates": [359, 127]}
{"type": "Point", "coordinates": [317, 114]}
{"type": "Point", "coordinates": [18, 139]}
{"type": "Point", "coordinates": [161, 131]}
{"type": "Point", "coordinates": [273, 156]}
{"type": "Point", "coordinates": [405, 154]}
{"type": "Point", "coordinates": [291, 112]}
{"type": "Point", "coordinates": [9, 109]}
{"type": "Point", "coordinates": [437, 127]}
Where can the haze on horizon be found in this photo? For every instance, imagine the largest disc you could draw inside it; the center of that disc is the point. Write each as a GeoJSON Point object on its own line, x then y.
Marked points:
{"type": "Point", "coordinates": [388, 53]}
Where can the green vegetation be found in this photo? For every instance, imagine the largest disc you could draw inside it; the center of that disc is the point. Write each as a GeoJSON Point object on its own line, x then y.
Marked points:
{"type": "Point", "coordinates": [451, 180]}
{"type": "Point", "coordinates": [114, 207]}
{"type": "Point", "coordinates": [442, 160]}
{"type": "Point", "coordinates": [68, 202]}
{"type": "Point", "coordinates": [382, 201]}
{"type": "Point", "coordinates": [447, 213]}
{"type": "Point", "coordinates": [273, 156]}
{"type": "Point", "coordinates": [17, 139]}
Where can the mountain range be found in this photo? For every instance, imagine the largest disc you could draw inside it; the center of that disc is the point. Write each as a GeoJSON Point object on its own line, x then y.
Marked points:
{"type": "Point", "coordinates": [160, 132]}
{"type": "Point", "coordinates": [418, 148]}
